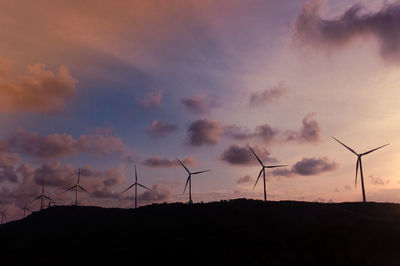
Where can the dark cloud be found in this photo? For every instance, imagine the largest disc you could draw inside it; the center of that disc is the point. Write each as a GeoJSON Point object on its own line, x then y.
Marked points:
{"type": "Point", "coordinates": [165, 162]}
{"type": "Point", "coordinates": [160, 129]}
{"type": "Point", "coordinates": [378, 181]}
{"type": "Point", "coordinates": [244, 179]}
{"type": "Point", "coordinates": [238, 133]}
{"type": "Point", "coordinates": [264, 133]}
{"type": "Point", "coordinates": [7, 167]}
{"type": "Point", "coordinates": [238, 155]}
{"type": "Point", "coordinates": [309, 132]}
{"type": "Point", "coordinates": [151, 99]}
{"type": "Point", "coordinates": [39, 90]}
{"type": "Point", "coordinates": [308, 166]}
{"type": "Point", "coordinates": [205, 132]}
{"type": "Point", "coordinates": [266, 96]}
{"type": "Point", "coordinates": [200, 103]}
{"type": "Point", "coordinates": [355, 22]}
{"type": "Point", "coordinates": [60, 145]}
{"type": "Point", "coordinates": [159, 192]}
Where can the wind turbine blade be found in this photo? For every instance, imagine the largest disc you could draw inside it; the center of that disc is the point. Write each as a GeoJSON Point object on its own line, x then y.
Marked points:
{"type": "Point", "coordinates": [79, 175]}
{"type": "Point", "coordinates": [128, 188]}
{"type": "Point", "coordinates": [187, 181]}
{"type": "Point", "coordinates": [47, 197]}
{"type": "Point", "coordinates": [256, 156]}
{"type": "Point", "coordinates": [83, 189]}
{"type": "Point", "coordinates": [195, 173]}
{"type": "Point", "coordinates": [71, 188]}
{"type": "Point", "coordinates": [350, 149]}
{"type": "Point", "coordinates": [144, 187]}
{"type": "Point", "coordinates": [357, 163]}
{"type": "Point", "coordinates": [262, 169]}
{"type": "Point", "coordinates": [275, 166]}
{"type": "Point", "coordinates": [37, 198]}
{"type": "Point", "coordinates": [365, 153]}
{"type": "Point", "coordinates": [183, 165]}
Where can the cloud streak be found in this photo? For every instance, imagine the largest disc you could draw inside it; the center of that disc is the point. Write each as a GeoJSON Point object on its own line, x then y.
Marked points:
{"type": "Point", "coordinates": [160, 129]}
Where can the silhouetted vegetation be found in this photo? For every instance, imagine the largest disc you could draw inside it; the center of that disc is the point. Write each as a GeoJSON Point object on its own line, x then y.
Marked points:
{"type": "Point", "coordinates": [237, 232]}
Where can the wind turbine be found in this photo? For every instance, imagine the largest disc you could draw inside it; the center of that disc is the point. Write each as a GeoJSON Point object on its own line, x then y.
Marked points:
{"type": "Point", "coordinates": [189, 179]}
{"type": "Point", "coordinates": [359, 164]}
{"type": "Point", "coordinates": [41, 197]}
{"type": "Point", "coordinates": [25, 208]}
{"type": "Point", "coordinates": [77, 187]}
{"type": "Point", "coordinates": [3, 216]}
{"type": "Point", "coordinates": [263, 172]}
{"type": "Point", "coordinates": [135, 185]}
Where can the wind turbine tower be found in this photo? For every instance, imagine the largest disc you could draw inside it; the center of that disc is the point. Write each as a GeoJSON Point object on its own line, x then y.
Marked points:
{"type": "Point", "coordinates": [136, 184]}
{"type": "Point", "coordinates": [189, 180]}
{"type": "Point", "coordinates": [359, 164]}
{"type": "Point", "coordinates": [42, 196]}
{"type": "Point", "coordinates": [262, 171]}
{"type": "Point", "coordinates": [77, 186]}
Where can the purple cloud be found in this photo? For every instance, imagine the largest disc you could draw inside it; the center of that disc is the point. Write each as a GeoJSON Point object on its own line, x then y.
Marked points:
{"type": "Point", "coordinates": [205, 132]}
{"type": "Point", "coordinates": [165, 162]}
{"type": "Point", "coordinates": [238, 155]}
{"type": "Point", "coordinates": [151, 99]}
{"type": "Point", "coordinates": [244, 179]}
{"type": "Point", "coordinates": [200, 103]}
{"type": "Point", "coordinates": [308, 166]}
{"type": "Point", "coordinates": [311, 29]}
{"type": "Point", "coordinates": [266, 96]}
{"type": "Point", "coordinates": [310, 131]}
{"type": "Point", "coordinates": [160, 129]}
{"type": "Point", "coordinates": [159, 192]}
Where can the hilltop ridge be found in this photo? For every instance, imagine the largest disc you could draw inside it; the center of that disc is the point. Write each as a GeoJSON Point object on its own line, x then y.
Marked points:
{"type": "Point", "coordinates": [236, 232]}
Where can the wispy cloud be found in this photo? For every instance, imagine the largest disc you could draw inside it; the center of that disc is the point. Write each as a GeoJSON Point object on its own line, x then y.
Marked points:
{"type": "Point", "coordinates": [267, 96]}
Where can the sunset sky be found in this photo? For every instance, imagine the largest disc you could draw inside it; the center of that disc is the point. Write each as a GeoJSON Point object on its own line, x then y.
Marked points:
{"type": "Point", "coordinates": [104, 85]}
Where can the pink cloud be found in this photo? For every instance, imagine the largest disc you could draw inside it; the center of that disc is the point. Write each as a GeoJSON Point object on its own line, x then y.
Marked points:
{"type": "Point", "coordinates": [39, 90]}
{"type": "Point", "coordinates": [205, 132]}
{"type": "Point", "coordinates": [160, 129]}
{"type": "Point", "coordinates": [151, 99]}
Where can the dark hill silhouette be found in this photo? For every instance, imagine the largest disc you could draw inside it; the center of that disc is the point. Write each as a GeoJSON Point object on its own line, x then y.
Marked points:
{"type": "Point", "coordinates": [237, 232]}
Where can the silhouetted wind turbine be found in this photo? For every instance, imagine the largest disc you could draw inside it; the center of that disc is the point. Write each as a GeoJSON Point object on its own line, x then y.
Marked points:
{"type": "Point", "coordinates": [135, 185]}
{"type": "Point", "coordinates": [3, 217]}
{"type": "Point", "coordinates": [189, 179]}
{"type": "Point", "coordinates": [41, 197]}
{"type": "Point", "coordinates": [77, 187]}
{"type": "Point", "coordinates": [359, 164]}
{"type": "Point", "coordinates": [263, 172]}
{"type": "Point", "coordinates": [25, 208]}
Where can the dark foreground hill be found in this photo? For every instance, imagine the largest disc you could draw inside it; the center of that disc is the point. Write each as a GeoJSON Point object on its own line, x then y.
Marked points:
{"type": "Point", "coordinates": [238, 232]}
